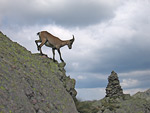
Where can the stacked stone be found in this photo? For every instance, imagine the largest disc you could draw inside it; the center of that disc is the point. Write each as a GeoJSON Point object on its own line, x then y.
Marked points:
{"type": "Point", "coordinates": [113, 88]}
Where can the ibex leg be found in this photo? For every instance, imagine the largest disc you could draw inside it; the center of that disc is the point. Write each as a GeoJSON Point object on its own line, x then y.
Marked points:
{"type": "Point", "coordinates": [37, 41]}
{"type": "Point", "coordinates": [53, 54]}
{"type": "Point", "coordinates": [60, 55]}
{"type": "Point", "coordinates": [39, 47]}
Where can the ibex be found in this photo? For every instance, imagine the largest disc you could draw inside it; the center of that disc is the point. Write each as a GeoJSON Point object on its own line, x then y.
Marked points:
{"type": "Point", "coordinates": [54, 42]}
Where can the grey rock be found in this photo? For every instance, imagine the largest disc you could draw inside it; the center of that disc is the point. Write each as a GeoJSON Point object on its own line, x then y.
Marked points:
{"type": "Point", "coordinates": [107, 111]}
{"type": "Point", "coordinates": [143, 95]}
{"type": "Point", "coordinates": [113, 88]}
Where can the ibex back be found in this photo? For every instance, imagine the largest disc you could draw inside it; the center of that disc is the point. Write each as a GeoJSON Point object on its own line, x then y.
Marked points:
{"type": "Point", "coordinates": [54, 42]}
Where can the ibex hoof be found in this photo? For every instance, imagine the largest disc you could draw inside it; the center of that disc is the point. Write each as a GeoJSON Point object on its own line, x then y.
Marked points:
{"type": "Point", "coordinates": [54, 60]}
{"type": "Point", "coordinates": [62, 60]}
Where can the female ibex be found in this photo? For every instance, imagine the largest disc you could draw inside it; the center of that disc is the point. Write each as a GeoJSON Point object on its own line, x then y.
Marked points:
{"type": "Point", "coordinates": [53, 42]}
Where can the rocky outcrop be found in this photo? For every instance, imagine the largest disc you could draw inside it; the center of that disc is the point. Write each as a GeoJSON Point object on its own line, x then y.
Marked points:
{"type": "Point", "coordinates": [31, 83]}
{"type": "Point", "coordinates": [113, 88]}
{"type": "Point", "coordinates": [116, 101]}
{"type": "Point", "coordinates": [143, 95]}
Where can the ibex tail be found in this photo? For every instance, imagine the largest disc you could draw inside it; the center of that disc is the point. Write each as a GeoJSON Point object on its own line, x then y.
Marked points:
{"type": "Point", "coordinates": [38, 33]}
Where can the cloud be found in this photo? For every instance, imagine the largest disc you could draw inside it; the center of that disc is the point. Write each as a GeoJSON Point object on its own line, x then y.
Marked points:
{"type": "Point", "coordinates": [60, 12]}
{"type": "Point", "coordinates": [127, 83]}
{"type": "Point", "coordinates": [116, 45]}
{"type": "Point", "coordinates": [138, 73]}
{"type": "Point", "coordinates": [90, 93]}
{"type": "Point", "coordinates": [135, 79]}
{"type": "Point", "coordinates": [81, 77]}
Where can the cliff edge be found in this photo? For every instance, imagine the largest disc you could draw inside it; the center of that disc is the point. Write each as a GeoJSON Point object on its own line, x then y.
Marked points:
{"type": "Point", "coordinates": [31, 83]}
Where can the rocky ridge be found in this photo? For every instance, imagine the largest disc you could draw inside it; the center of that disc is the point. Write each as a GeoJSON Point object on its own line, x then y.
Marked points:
{"type": "Point", "coordinates": [31, 83]}
{"type": "Point", "coordinates": [143, 95]}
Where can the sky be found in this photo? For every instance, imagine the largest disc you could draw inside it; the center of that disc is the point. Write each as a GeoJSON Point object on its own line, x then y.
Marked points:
{"type": "Point", "coordinates": [109, 35]}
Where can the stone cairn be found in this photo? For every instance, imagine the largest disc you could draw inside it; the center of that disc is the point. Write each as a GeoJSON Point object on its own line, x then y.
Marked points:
{"type": "Point", "coordinates": [113, 88]}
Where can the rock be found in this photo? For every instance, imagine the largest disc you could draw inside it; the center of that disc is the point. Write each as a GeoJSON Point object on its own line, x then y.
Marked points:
{"type": "Point", "coordinates": [62, 64]}
{"type": "Point", "coordinates": [40, 111]}
{"type": "Point", "coordinates": [100, 111]}
{"type": "Point", "coordinates": [107, 111]}
{"type": "Point", "coordinates": [44, 56]}
{"type": "Point", "coordinates": [36, 107]}
{"type": "Point", "coordinates": [113, 88]}
{"type": "Point", "coordinates": [126, 96]}
{"type": "Point", "coordinates": [34, 101]}
{"type": "Point", "coordinates": [143, 95]}
{"type": "Point", "coordinates": [69, 84]}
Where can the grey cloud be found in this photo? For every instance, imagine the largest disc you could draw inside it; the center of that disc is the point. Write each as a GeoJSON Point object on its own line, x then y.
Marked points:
{"type": "Point", "coordinates": [71, 13]}
{"type": "Point", "coordinates": [122, 56]}
{"type": "Point", "coordinates": [128, 56]}
{"type": "Point", "coordinates": [143, 78]}
{"type": "Point", "coordinates": [83, 13]}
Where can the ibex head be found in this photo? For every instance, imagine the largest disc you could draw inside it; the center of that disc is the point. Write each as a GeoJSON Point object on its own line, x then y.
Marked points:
{"type": "Point", "coordinates": [71, 42]}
